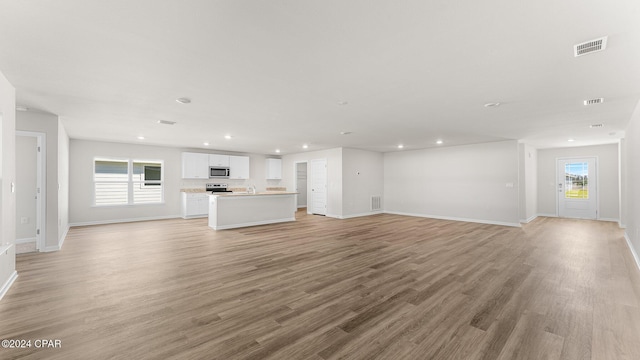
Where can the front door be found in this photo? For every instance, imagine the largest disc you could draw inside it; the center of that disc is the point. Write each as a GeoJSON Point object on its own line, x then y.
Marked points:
{"type": "Point", "coordinates": [577, 197]}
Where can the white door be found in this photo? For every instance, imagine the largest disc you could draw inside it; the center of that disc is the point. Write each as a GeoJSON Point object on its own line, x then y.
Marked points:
{"type": "Point", "coordinates": [577, 197]}
{"type": "Point", "coordinates": [319, 186]}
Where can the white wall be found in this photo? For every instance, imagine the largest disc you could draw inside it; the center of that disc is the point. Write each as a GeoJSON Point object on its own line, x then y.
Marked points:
{"type": "Point", "coordinates": [82, 153]}
{"type": "Point", "coordinates": [26, 185]}
{"type": "Point", "coordinates": [632, 160]}
{"type": "Point", "coordinates": [334, 176]}
{"type": "Point", "coordinates": [7, 177]}
{"type": "Point", "coordinates": [48, 124]}
{"type": "Point", "coordinates": [63, 183]}
{"type": "Point", "coordinates": [608, 178]}
{"type": "Point", "coordinates": [362, 178]}
{"type": "Point", "coordinates": [474, 183]}
{"type": "Point", "coordinates": [528, 173]}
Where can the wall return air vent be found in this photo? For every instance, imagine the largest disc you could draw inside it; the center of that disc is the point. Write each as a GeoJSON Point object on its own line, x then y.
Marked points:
{"type": "Point", "coordinates": [589, 47]}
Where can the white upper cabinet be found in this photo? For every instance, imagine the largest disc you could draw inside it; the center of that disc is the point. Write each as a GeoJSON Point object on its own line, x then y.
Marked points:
{"type": "Point", "coordinates": [238, 167]}
{"type": "Point", "coordinates": [274, 169]}
{"type": "Point", "coordinates": [195, 166]}
{"type": "Point", "coordinates": [218, 160]}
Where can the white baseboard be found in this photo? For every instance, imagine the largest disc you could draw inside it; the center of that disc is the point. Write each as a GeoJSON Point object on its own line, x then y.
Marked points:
{"type": "Point", "coordinates": [358, 215]}
{"type": "Point", "coordinates": [117, 221]}
{"type": "Point", "coordinates": [609, 219]}
{"type": "Point", "coordinates": [547, 215]}
{"type": "Point", "coordinates": [489, 222]}
{"type": "Point", "coordinates": [25, 240]}
{"type": "Point", "coordinates": [63, 237]}
{"type": "Point", "coordinates": [530, 219]}
{"type": "Point", "coordinates": [194, 216]}
{"type": "Point", "coordinates": [256, 223]}
{"type": "Point", "coordinates": [633, 251]}
{"type": "Point", "coordinates": [302, 206]}
{"type": "Point", "coordinates": [5, 288]}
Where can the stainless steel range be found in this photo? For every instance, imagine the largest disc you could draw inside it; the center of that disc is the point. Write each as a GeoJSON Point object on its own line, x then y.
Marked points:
{"type": "Point", "coordinates": [218, 188]}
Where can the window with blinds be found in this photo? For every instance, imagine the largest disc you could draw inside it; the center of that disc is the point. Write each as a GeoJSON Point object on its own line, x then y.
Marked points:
{"type": "Point", "coordinates": [127, 182]}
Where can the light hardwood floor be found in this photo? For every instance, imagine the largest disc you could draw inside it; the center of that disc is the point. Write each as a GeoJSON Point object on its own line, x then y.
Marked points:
{"type": "Point", "coordinates": [377, 287]}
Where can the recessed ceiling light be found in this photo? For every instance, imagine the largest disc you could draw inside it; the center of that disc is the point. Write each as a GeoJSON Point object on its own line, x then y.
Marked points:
{"type": "Point", "coordinates": [22, 108]}
{"type": "Point", "coordinates": [277, 150]}
{"type": "Point", "coordinates": [495, 104]}
{"type": "Point", "coordinates": [400, 146]}
{"type": "Point", "coordinates": [166, 122]}
{"type": "Point", "coordinates": [439, 142]}
{"type": "Point", "coordinates": [205, 144]}
{"type": "Point", "coordinates": [183, 100]}
{"type": "Point", "coordinates": [305, 146]}
{"type": "Point", "coordinates": [140, 137]}
{"type": "Point", "coordinates": [342, 102]}
{"type": "Point", "coordinates": [571, 140]}
{"type": "Point", "coordinates": [228, 137]}
{"type": "Point", "coordinates": [345, 132]}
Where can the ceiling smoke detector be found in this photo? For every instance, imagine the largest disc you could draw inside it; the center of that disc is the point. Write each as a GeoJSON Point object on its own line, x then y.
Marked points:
{"type": "Point", "coordinates": [183, 100]}
{"type": "Point", "coordinates": [589, 47]}
{"type": "Point", "coordinates": [594, 101]}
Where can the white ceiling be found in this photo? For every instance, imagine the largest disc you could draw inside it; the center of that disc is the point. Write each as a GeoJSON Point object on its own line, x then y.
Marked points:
{"type": "Point", "coordinates": [271, 73]}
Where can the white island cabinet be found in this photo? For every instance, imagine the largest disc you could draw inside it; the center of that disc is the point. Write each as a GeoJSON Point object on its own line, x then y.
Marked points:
{"type": "Point", "coordinates": [240, 210]}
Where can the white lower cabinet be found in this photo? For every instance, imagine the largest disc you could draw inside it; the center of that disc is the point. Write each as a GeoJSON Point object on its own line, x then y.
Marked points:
{"type": "Point", "coordinates": [195, 205]}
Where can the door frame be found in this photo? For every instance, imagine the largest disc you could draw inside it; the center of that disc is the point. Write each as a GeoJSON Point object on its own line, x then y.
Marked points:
{"type": "Point", "coordinates": [295, 180]}
{"type": "Point", "coordinates": [596, 160]}
{"type": "Point", "coordinates": [41, 182]}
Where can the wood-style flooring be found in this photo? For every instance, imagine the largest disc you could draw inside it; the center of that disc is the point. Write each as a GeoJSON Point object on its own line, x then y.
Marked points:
{"type": "Point", "coordinates": [377, 287]}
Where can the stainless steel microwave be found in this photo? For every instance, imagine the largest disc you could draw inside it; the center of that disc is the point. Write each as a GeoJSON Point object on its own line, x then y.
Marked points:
{"type": "Point", "coordinates": [218, 172]}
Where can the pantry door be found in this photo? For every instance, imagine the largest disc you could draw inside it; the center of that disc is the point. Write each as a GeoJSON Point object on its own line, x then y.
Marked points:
{"type": "Point", "coordinates": [319, 186]}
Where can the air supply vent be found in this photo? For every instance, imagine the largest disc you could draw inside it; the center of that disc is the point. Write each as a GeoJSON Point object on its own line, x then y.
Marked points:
{"type": "Point", "coordinates": [589, 47]}
{"type": "Point", "coordinates": [594, 101]}
{"type": "Point", "coordinates": [166, 122]}
{"type": "Point", "coordinates": [376, 203]}
{"type": "Point", "coordinates": [595, 126]}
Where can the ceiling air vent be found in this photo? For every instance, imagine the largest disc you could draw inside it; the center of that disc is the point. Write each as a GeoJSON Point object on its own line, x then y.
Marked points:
{"type": "Point", "coordinates": [590, 46]}
{"type": "Point", "coordinates": [166, 122]}
{"type": "Point", "coordinates": [595, 126]}
{"type": "Point", "coordinates": [594, 101]}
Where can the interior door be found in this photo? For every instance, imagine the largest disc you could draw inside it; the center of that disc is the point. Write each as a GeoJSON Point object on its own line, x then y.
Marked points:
{"type": "Point", "coordinates": [577, 197]}
{"type": "Point", "coordinates": [319, 186]}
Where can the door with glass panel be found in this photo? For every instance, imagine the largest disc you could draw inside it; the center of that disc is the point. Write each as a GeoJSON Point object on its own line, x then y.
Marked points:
{"type": "Point", "coordinates": [576, 188]}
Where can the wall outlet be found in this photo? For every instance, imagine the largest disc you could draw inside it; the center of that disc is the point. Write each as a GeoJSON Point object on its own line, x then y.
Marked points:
{"type": "Point", "coordinates": [24, 220]}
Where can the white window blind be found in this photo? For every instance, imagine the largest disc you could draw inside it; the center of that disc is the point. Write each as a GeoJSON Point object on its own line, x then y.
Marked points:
{"type": "Point", "coordinates": [128, 182]}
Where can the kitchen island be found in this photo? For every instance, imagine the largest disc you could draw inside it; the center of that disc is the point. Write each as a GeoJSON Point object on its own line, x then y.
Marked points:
{"type": "Point", "coordinates": [233, 210]}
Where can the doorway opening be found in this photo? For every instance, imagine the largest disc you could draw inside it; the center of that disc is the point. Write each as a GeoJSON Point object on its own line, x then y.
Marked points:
{"type": "Point", "coordinates": [300, 184]}
{"type": "Point", "coordinates": [30, 191]}
{"type": "Point", "coordinates": [577, 195]}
